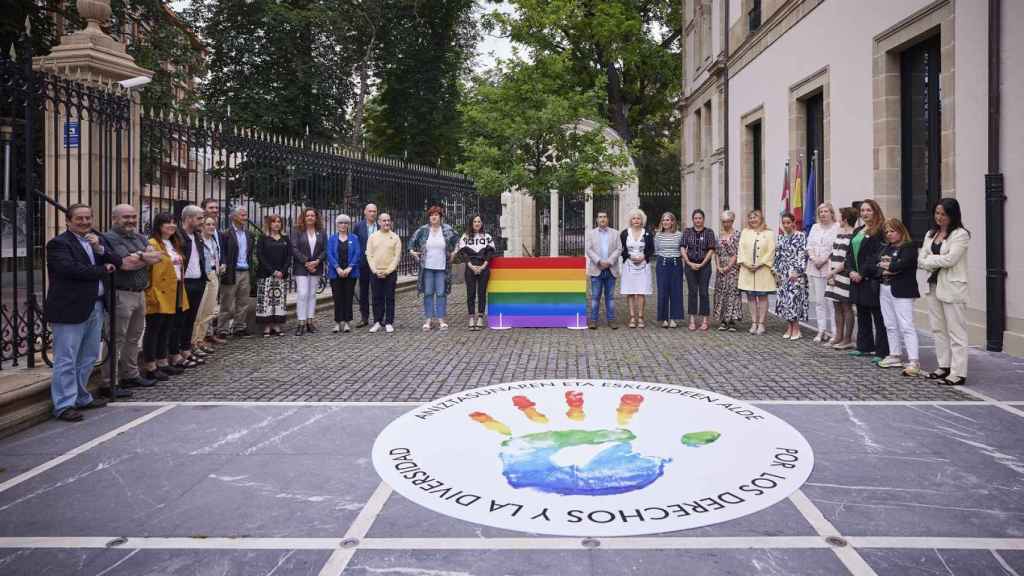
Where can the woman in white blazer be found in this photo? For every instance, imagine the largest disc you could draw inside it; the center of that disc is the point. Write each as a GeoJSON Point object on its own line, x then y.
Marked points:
{"type": "Point", "coordinates": [944, 256]}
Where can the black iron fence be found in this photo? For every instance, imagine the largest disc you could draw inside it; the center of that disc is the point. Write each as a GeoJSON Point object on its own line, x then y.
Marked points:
{"type": "Point", "coordinates": [66, 139]}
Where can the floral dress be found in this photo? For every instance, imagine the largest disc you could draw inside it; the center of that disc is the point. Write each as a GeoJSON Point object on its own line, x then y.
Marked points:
{"type": "Point", "coordinates": [791, 256]}
{"type": "Point", "coordinates": [728, 305]}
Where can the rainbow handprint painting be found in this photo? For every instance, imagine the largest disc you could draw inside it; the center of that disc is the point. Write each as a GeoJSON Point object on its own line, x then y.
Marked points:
{"type": "Point", "coordinates": [576, 462]}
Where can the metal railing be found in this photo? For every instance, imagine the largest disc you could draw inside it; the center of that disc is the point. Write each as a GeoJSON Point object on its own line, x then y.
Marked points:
{"type": "Point", "coordinates": [66, 139]}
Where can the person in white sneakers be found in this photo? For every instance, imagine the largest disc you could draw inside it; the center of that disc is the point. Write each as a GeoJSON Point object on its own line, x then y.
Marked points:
{"type": "Point", "coordinates": [476, 248]}
{"type": "Point", "coordinates": [897, 292]}
{"type": "Point", "coordinates": [383, 253]}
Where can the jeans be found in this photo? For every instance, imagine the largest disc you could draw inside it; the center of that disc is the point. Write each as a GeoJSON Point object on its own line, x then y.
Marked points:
{"type": "Point", "coordinates": [898, 314]}
{"type": "Point", "coordinates": [75, 350]}
{"type": "Point", "coordinates": [342, 289]}
{"type": "Point", "coordinates": [868, 339]}
{"type": "Point", "coordinates": [476, 290]}
{"type": "Point", "coordinates": [698, 281]}
{"type": "Point", "coordinates": [603, 282]}
{"type": "Point", "coordinates": [365, 281]}
{"type": "Point", "coordinates": [670, 289]}
{"type": "Point", "coordinates": [384, 298]}
{"type": "Point", "coordinates": [435, 301]}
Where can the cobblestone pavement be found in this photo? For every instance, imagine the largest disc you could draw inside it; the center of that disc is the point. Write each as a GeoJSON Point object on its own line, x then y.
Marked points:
{"type": "Point", "coordinates": [410, 365]}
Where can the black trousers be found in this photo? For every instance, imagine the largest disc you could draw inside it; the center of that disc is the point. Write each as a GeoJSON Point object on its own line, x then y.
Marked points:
{"type": "Point", "coordinates": [384, 298]}
{"type": "Point", "coordinates": [697, 282]}
{"type": "Point", "coordinates": [365, 281]}
{"type": "Point", "coordinates": [194, 289]}
{"type": "Point", "coordinates": [476, 290]}
{"type": "Point", "coordinates": [157, 336]}
{"type": "Point", "coordinates": [343, 290]}
{"type": "Point", "coordinates": [871, 336]}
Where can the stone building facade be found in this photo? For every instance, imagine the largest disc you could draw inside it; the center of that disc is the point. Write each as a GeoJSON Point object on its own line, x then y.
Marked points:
{"type": "Point", "coordinates": [891, 97]}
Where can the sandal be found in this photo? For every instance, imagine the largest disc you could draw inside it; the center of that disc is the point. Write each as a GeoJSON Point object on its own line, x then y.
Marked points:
{"type": "Point", "coordinates": [632, 322]}
{"type": "Point", "coordinates": [640, 323]}
{"type": "Point", "coordinates": [938, 374]}
{"type": "Point", "coordinates": [704, 326]}
{"type": "Point", "coordinates": [190, 363]}
{"type": "Point", "coordinates": [960, 381]}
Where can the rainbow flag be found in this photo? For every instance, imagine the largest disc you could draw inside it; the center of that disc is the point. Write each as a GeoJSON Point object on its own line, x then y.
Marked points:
{"type": "Point", "coordinates": [537, 293]}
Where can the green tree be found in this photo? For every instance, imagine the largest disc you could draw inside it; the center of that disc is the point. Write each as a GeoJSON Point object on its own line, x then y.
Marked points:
{"type": "Point", "coordinates": [423, 55]}
{"type": "Point", "coordinates": [519, 132]}
{"type": "Point", "coordinates": [632, 48]}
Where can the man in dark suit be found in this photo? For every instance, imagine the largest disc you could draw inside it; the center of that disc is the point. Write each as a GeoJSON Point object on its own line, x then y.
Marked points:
{"type": "Point", "coordinates": [78, 265]}
{"type": "Point", "coordinates": [363, 229]}
{"type": "Point", "coordinates": [238, 246]}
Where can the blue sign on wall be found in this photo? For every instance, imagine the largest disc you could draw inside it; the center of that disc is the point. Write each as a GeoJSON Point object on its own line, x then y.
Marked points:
{"type": "Point", "coordinates": [72, 134]}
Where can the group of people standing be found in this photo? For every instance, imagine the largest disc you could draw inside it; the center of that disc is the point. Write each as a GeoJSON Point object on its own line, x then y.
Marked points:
{"type": "Point", "coordinates": [857, 265]}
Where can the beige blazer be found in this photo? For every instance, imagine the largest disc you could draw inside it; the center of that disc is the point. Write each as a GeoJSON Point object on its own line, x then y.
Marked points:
{"type": "Point", "coordinates": [951, 262]}
{"type": "Point", "coordinates": [756, 247]}
{"type": "Point", "coordinates": [593, 250]}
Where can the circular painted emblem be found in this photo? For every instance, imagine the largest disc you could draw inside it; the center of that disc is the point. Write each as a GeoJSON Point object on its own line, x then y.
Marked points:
{"type": "Point", "coordinates": [592, 457]}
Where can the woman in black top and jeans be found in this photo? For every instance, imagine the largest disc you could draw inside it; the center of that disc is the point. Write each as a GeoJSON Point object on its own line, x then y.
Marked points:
{"type": "Point", "coordinates": [476, 249]}
{"type": "Point", "coordinates": [862, 262]}
{"type": "Point", "coordinates": [698, 248]}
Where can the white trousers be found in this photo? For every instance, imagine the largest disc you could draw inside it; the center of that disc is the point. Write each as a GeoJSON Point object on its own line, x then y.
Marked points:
{"type": "Point", "coordinates": [898, 315]}
{"type": "Point", "coordinates": [824, 311]}
{"type": "Point", "coordinates": [949, 327]}
{"type": "Point", "coordinates": [305, 297]}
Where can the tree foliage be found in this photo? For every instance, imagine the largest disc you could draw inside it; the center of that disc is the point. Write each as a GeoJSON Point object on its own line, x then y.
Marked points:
{"type": "Point", "coordinates": [519, 132]}
{"type": "Point", "coordinates": [632, 47]}
{"type": "Point", "coordinates": [422, 57]}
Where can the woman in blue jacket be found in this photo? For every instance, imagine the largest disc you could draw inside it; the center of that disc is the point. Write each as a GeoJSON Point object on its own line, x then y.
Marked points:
{"type": "Point", "coordinates": [343, 258]}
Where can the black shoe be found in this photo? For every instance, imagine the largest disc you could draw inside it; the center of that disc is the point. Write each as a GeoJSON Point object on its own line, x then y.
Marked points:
{"type": "Point", "coordinates": [172, 369]}
{"type": "Point", "coordinates": [242, 333]}
{"type": "Point", "coordinates": [310, 328]}
{"type": "Point", "coordinates": [592, 326]}
{"type": "Point", "coordinates": [70, 415]}
{"type": "Point", "coordinates": [138, 382]}
{"type": "Point", "coordinates": [96, 403]}
{"type": "Point", "coordinates": [939, 374]}
{"type": "Point", "coordinates": [613, 325]}
{"type": "Point", "coordinates": [157, 376]}
{"type": "Point", "coordinates": [300, 329]}
{"type": "Point", "coordinates": [362, 323]}
{"type": "Point", "coordinates": [121, 393]}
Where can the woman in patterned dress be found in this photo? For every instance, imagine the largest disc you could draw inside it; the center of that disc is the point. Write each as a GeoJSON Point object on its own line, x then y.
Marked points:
{"type": "Point", "coordinates": [791, 271]}
{"type": "Point", "coordinates": [728, 305]}
{"type": "Point", "coordinates": [275, 257]}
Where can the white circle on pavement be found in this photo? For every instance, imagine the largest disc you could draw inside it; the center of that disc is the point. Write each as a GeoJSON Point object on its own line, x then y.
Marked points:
{"type": "Point", "coordinates": [592, 457]}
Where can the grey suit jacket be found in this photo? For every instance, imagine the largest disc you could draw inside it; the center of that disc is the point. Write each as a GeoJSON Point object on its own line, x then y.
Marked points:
{"type": "Point", "coordinates": [594, 251]}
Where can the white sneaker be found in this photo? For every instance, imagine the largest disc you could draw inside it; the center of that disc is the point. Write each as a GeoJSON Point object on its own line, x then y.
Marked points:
{"type": "Point", "coordinates": [818, 337]}
{"type": "Point", "coordinates": [345, 327]}
{"type": "Point", "coordinates": [337, 327]}
{"type": "Point", "coordinates": [785, 336]}
{"type": "Point", "coordinates": [426, 326]}
{"type": "Point", "coordinates": [442, 325]}
{"type": "Point", "coordinates": [389, 328]}
{"type": "Point", "coordinates": [760, 329]}
{"type": "Point", "coordinates": [753, 329]}
{"type": "Point", "coordinates": [891, 362]}
{"type": "Point", "coordinates": [375, 327]}
{"type": "Point", "coordinates": [672, 324]}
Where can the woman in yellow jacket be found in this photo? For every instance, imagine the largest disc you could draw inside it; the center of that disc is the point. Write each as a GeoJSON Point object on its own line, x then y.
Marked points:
{"type": "Point", "coordinates": [756, 256]}
{"type": "Point", "coordinates": [165, 298]}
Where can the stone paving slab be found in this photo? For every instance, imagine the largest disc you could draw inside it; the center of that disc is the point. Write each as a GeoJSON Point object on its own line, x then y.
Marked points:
{"type": "Point", "coordinates": [274, 473]}
{"type": "Point", "coordinates": [410, 365]}
{"type": "Point", "coordinates": [162, 562]}
{"type": "Point", "coordinates": [889, 562]}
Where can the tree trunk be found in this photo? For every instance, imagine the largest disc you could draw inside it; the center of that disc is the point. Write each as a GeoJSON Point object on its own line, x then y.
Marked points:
{"type": "Point", "coordinates": [616, 104]}
{"type": "Point", "coordinates": [357, 122]}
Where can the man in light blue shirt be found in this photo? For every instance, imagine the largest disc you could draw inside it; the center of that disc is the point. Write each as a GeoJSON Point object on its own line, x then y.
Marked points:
{"type": "Point", "coordinates": [238, 245]}
{"type": "Point", "coordinates": [603, 249]}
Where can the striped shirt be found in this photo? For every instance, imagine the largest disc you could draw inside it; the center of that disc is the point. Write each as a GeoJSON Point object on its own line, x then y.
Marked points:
{"type": "Point", "coordinates": [697, 243]}
{"type": "Point", "coordinates": [666, 244]}
{"type": "Point", "coordinates": [840, 290]}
